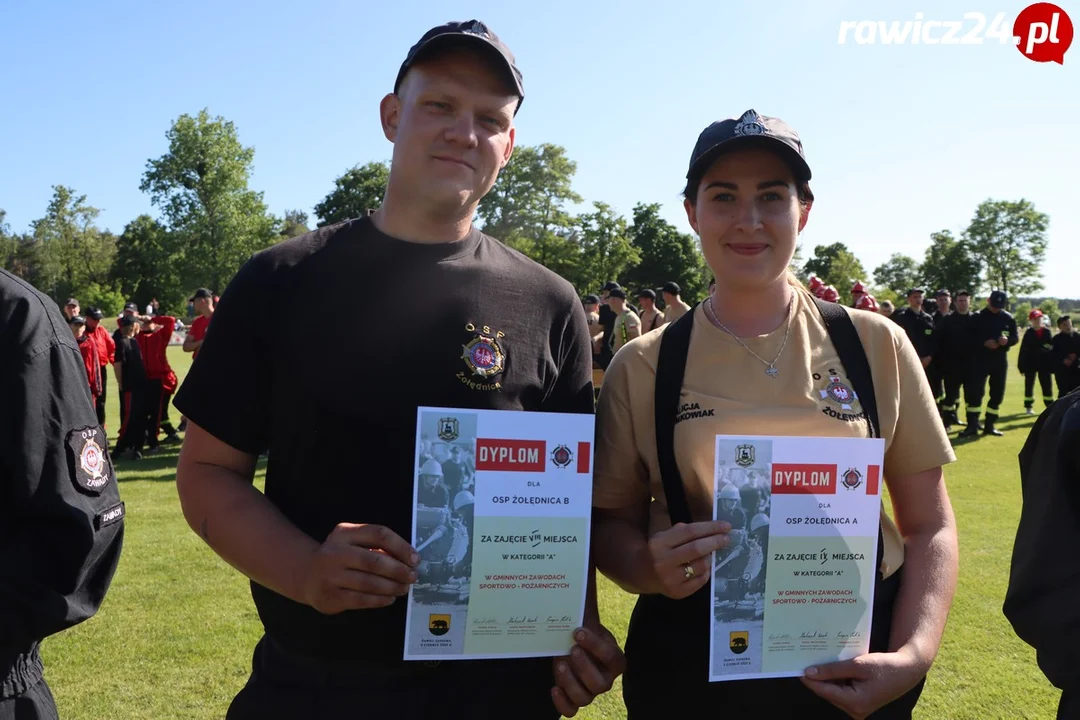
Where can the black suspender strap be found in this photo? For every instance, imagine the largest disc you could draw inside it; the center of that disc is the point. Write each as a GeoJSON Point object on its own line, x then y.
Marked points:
{"type": "Point", "coordinates": [845, 338]}
{"type": "Point", "coordinates": [671, 368]}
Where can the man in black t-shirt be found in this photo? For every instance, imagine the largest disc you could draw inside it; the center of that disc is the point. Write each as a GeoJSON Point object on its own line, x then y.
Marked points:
{"type": "Point", "coordinates": [482, 327]}
{"type": "Point", "coordinates": [131, 379]}
{"type": "Point", "coordinates": [918, 325]}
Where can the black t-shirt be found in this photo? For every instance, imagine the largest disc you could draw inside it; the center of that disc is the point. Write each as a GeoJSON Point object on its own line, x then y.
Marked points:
{"type": "Point", "coordinates": [607, 321]}
{"type": "Point", "coordinates": [919, 327]}
{"type": "Point", "coordinates": [340, 423]}
{"type": "Point", "coordinates": [132, 371]}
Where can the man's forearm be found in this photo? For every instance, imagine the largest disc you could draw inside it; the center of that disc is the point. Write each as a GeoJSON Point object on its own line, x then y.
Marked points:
{"type": "Point", "coordinates": [245, 528]}
{"type": "Point", "coordinates": [931, 562]}
{"type": "Point", "coordinates": [620, 551]}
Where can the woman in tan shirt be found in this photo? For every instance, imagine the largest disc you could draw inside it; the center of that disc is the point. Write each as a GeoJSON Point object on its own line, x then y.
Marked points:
{"type": "Point", "coordinates": [761, 362]}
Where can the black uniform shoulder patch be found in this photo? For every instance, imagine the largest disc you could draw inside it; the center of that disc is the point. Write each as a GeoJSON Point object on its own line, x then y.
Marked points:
{"type": "Point", "coordinates": [89, 462]}
{"type": "Point", "coordinates": [113, 515]}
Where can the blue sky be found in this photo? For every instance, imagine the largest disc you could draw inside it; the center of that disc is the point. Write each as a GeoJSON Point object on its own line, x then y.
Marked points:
{"type": "Point", "coordinates": [903, 139]}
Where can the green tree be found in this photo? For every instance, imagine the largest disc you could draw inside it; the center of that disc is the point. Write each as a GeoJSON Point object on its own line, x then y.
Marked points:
{"type": "Point", "coordinates": [666, 254]}
{"type": "Point", "coordinates": [360, 189]}
{"type": "Point", "coordinates": [107, 298]}
{"type": "Point", "coordinates": [1009, 240]}
{"type": "Point", "coordinates": [528, 200]}
{"type": "Point", "coordinates": [949, 263]}
{"type": "Point", "coordinates": [606, 250]}
{"type": "Point", "coordinates": [149, 264]}
{"type": "Point", "coordinates": [201, 187]}
{"type": "Point", "coordinates": [897, 274]}
{"type": "Point", "coordinates": [294, 224]}
{"type": "Point", "coordinates": [836, 266]}
{"type": "Point", "coordinates": [71, 251]}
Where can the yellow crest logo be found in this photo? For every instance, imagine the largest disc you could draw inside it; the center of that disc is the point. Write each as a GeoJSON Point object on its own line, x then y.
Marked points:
{"type": "Point", "coordinates": [438, 624]}
{"type": "Point", "coordinates": [738, 642]}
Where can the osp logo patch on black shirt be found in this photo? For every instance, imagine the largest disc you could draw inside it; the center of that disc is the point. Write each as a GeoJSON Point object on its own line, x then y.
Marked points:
{"type": "Point", "coordinates": [88, 459]}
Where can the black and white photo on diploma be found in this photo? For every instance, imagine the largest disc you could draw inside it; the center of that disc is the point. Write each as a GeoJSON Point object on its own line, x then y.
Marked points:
{"type": "Point", "coordinates": [743, 500]}
{"type": "Point", "coordinates": [444, 509]}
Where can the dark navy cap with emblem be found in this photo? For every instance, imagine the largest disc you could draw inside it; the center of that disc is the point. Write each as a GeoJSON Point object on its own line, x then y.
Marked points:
{"type": "Point", "coordinates": [941, 292]}
{"type": "Point", "coordinates": [671, 287]}
{"type": "Point", "coordinates": [94, 313]}
{"type": "Point", "coordinates": [647, 293]}
{"type": "Point", "coordinates": [592, 299]}
{"type": "Point", "coordinates": [749, 128]}
{"type": "Point", "coordinates": [998, 299]}
{"type": "Point", "coordinates": [609, 286]}
{"type": "Point", "coordinates": [77, 320]}
{"type": "Point", "coordinates": [132, 307]}
{"type": "Point", "coordinates": [618, 293]}
{"type": "Point", "coordinates": [470, 31]}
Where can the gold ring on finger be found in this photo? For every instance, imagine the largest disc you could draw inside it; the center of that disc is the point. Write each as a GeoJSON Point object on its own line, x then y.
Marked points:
{"type": "Point", "coordinates": [689, 570]}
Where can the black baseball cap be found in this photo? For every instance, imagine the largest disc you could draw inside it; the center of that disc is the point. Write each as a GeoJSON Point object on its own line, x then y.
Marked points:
{"type": "Point", "coordinates": [457, 33]}
{"type": "Point", "coordinates": [201, 293]}
{"type": "Point", "coordinates": [912, 291]}
{"type": "Point", "coordinates": [611, 285]}
{"type": "Point", "coordinates": [941, 292]}
{"type": "Point", "coordinates": [749, 128]}
{"type": "Point", "coordinates": [963, 293]}
{"type": "Point", "coordinates": [126, 320]}
{"type": "Point", "coordinates": [671, 287]}
{"type": "Point", "coordinates": [70, 302]}
{"type": "Point", "coordinates": [132, 307]}
{"type": "Point", "coordinates": [94, 312]}
{"type": "Point", "coordinates": [77, 320]}
{"type": "Point", "coordinates": [618, 293]}
{"type": "Point", "coordinates": [998, 299]}
{"type": "Point", "coordinates": [592, 299]}
{"type": "Point", "coordinates": [1063, 319]}
{"type": "Point", "coordinates": [647, 293]}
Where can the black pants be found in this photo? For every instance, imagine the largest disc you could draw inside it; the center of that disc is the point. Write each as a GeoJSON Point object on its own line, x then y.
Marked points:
{"type": "Point", "coordinates": [157, 412]}
{"type": "Point", "coordinates": [132, 434]}
{"type": "Point", "coordinates": [968, 379]}
{"type": "Point", "coordinates": [1045, 382]}
{"type": "Point", "coordinates": [936, 377]}
{"type": "Point", "coordinates": [667, 653]}
{"type": "Point", "coordinates": [994, 368]}
{"type": "Point", "coordinates": [35, 704]}
{"type": "Point", "coordinates": [1067, 381]}
{"type": "Point", "coordinates": [99, 401]}
{"type": "Point", "coordinates": [285, 686]}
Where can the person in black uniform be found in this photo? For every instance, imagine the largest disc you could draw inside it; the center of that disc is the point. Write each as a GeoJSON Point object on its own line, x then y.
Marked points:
{"type": "Point", "coordinates": [488, 328]}
{"type": "Point", "coordinates": [134, 398]}
{"type": "Point", "coordinates": [607, 322]}
{"type": "Point", "coordinates": [61, 518]}
{"type": "Point", "coordinates": [1066, 353]}
{"type": "Point", "coordinates": [918, 324]}
{"type": "Point", "coordinates": [935, 371]}
{"type": "Point", "coordinates": [996, 331]}
{"type": "Point", "coordinates": [1036, 358]}
{"type": "Point", "coordinates": [956, 346]}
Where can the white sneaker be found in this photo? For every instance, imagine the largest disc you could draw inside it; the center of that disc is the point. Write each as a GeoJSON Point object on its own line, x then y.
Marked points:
{"type": "Point", "coordinates": [1031, 411]}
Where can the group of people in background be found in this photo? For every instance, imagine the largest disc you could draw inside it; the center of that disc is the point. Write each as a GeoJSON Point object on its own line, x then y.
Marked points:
{"type": "Point", "coordinates": [136, 351]}
{"type": "Point", "coordinates": [960, 349]}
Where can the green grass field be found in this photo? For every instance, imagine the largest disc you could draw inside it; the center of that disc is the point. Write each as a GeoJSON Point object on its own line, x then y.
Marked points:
{"type": "Point", "coordinates": [174, 637]}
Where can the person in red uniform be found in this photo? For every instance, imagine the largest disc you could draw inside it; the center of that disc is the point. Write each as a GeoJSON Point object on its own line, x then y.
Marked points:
{"type": "Point", "coordinates": [106, 348]}
{"type": "Point", "coordinates": [160, 379]}
{"type": "Point", "coordinates": [203, 300]}
{"type": "Point", "coordinates": [88, 350]}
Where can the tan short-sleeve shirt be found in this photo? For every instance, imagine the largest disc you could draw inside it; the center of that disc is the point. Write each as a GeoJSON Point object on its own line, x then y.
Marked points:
{"type": "Point", "coordinates": [726, 391]}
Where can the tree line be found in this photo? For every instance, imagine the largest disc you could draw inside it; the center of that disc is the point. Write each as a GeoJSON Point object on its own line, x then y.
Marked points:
{"type": "Point", "coordinates": [210, 221]}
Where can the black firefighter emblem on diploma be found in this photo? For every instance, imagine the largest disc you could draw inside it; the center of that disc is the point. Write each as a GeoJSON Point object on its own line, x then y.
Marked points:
{"type": "Point", "coordinates": [562, 456]}
{"type": "Point", "coordinates": [483, 355]}
{"type": "Point", "coordinates": [449, 429]}
{"type": "Point", "coordinates": [744, 456]}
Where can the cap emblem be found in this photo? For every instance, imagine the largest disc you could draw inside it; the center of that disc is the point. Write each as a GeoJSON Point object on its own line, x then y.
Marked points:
{"type": "Point", "coordinates": [476, 28]}
{"type": "Point", "coordinates": [750, 124]}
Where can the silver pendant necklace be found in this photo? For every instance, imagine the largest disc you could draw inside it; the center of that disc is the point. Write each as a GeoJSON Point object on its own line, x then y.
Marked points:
{"type": "Point", "coordinates": [770, 367]}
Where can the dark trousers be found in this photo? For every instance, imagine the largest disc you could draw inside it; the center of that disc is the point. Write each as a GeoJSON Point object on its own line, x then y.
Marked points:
{"type": "Point", "coordinates": [35, 704]}
{"type": "Point", "coordinates": [99, 401]}
{"type": "Point", "coordinates": [667, 653]}
{"type": "Point", "coordinates": [1045, 382]}
{"type": "Point", "coordinates": [1067, 381]}
{"type": "Point", "coordinates": [157, 412]}
{"type": "Point", "coordinates": [285, 686]}
{"type": "Point", "coordinates": [994, 368]}
{"type": "Point", "coordinates": [967, 379]}
{"type": "Point", "coordinates": [936, 377]}
{"type": "Point", "coordinates": [132, 434]}
{"type": "Point", "coordinates": [1069, 705]}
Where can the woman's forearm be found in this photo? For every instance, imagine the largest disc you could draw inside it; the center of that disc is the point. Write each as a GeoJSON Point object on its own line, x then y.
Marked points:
{"type": "Point", "coordinates": [931, 562]}
{"type": "Point", "coordinates": [620, 551]}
